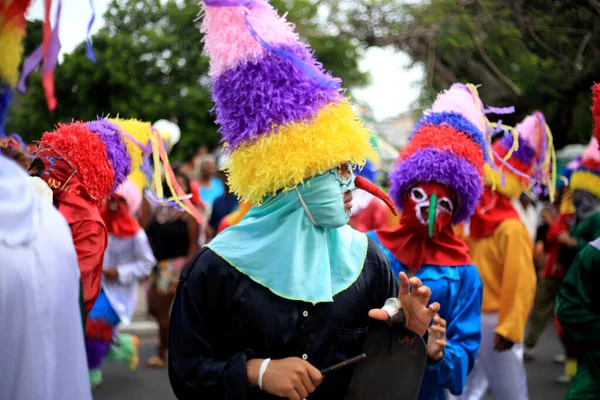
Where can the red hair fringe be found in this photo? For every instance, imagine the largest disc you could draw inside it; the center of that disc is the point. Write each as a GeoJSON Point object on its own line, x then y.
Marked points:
{"type": "Point", "coordinates": [85, 152]}
{"type": "Point", "coordinates": [98, 329]}
{"type": "Point", "coordinates": [596, 110]}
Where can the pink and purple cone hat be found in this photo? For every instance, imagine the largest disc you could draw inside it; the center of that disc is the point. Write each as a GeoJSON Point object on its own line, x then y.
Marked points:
{"type": "Point", "coordinates": [448, 145]}
{"type": "Point", "coordinates": [282, 118]}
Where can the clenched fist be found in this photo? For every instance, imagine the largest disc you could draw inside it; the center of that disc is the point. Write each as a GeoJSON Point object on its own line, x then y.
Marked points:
{"type": "Point", "coordinates": [291, 378]}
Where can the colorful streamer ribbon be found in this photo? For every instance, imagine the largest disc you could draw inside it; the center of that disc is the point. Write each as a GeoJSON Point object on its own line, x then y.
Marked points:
{"type": "Point", "coordinates": [179, 196]}
{"type": "Point", "coordinates": [89, 48]}
{"type": "Point", "coordinates": [6, 95]}
{"type": "Point", "coordinates": [47, 53]}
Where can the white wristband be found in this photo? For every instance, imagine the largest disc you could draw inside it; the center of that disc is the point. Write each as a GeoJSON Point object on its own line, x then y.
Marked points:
{"type": "Point", "coordinates": [261, 371]}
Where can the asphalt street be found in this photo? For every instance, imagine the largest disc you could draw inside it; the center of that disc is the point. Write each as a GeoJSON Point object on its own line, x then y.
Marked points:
{"type": "Point", "coordinates": [120, 384]}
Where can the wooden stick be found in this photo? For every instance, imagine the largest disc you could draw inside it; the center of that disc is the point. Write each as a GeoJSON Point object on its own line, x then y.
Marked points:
{"type": "Point", "coordinates": [348, 362]}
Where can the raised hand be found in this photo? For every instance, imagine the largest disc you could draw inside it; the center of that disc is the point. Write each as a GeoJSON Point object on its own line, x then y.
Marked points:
{"type": "Point", "coordinates": [414, 303]}
{"type": "Point", "coordinates": [437, 339]}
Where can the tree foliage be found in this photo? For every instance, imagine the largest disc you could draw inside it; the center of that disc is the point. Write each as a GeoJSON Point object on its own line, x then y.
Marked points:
{"type": "Point", "coordinates": [534, 54]}
{"type": "Point", "coordinates": [150, 66]}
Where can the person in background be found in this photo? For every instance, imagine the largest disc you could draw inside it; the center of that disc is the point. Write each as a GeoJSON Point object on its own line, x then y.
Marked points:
{"type": "Point", "coordinates": [211, 187]}
{"type": "Point", "coordinates": [502, 250]}
{"type": "Point", "coordinates": [578, 304]}
{"type": "Point", "coordinates": [83, 162]}
{"type": "Point", "coordinates": [437, 182]}
{"type": "Point", "coordinates": [127, 260]}
{"type": "Point", "coordinates": [223, 206]}
{"type": "Point", "coordinates": [584, 228]}
{"type": "Point", "coordinates": [578, 310]}
{"type": "Point", "coordinates": [585, 184]}
{"type": "Point", "coordinates": [551, 274]}
{"type": "Point", "coordinates": [42, 348]}
{"type": "Point", "coordinates": [187, 166]}
{"type": "Point", "coordinates": [173, 236]}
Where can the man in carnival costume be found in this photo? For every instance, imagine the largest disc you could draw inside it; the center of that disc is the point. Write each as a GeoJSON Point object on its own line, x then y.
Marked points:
{"type": "Point", "coordinates": [578, 310]}
{"type": "Point", "coordinates": [585, 184]}
{"type": "Point", "coordinates": [290, 288]}
{"type": "Point", "coordinates": [42, 349]}
{"type": "Point", "coordinates": [553, 269]}
{"type": "Point", "coordinates": [501, 248]}
{"type": "Point", "coordinates": [127, 260]}
{"type": "Point", "coordinates": [578, 303]}
{"type": "Point", "coordinates": [82, 162]}
{"type": "Point", "coordinates": [437, 181]}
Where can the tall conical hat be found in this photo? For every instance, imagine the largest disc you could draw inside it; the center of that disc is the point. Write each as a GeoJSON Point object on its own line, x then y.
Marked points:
{"type": "Point", "coordinates": [447, 146]}
{"type": "Point", "coordinates": [282, 118]}
{"type": "Point", "coordinates": [524, 157]}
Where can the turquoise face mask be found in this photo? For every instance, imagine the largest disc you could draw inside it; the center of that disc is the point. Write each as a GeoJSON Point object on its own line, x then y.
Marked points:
{"type": "Point", "coordinates": [322, 199]}
{"type": "Point", "coordinates": [278, 246]}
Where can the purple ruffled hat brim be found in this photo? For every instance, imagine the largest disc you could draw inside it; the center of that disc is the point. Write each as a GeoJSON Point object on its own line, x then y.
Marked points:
{"type": "Point", "coordinates": [434, 165]}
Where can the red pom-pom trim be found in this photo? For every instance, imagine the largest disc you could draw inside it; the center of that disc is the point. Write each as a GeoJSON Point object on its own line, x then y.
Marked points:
{"type": "Point", "coordinates": [596, 110]}
{"type": "Point", "coordinates": [98, 329]}
{"type": "Point", "coordinates": [444, 137]}
{"type": "Point", "coordinates": [85, 153]}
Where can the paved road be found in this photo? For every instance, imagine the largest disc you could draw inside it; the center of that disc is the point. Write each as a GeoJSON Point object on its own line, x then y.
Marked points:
{"type": "Point", "coordinates": [120, 384]}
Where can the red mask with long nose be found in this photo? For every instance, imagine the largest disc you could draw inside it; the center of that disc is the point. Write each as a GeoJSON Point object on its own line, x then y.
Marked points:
{"type": "Point", "coordinates": [425, 234]}
{"type": "Point", "coordinates": [428, 208]}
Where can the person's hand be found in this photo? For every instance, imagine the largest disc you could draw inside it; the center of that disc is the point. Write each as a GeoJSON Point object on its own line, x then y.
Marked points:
{"type": "Point", "coordinates": [111, 274]}
{"type": "Point", "coordinates": [502, 344]}
{"type": "Point", "coordinates": [291, 378]}
{"type": "Point", "coordinates": [567, 240]}
{"type": "Point", "coordinates": [414, 303]}
{"type": "Point", "coordinates": [437, 339]}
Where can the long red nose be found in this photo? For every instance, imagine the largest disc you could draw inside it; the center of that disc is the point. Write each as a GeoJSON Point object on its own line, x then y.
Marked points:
{"type": "Point", "coordinates": [367, 186]}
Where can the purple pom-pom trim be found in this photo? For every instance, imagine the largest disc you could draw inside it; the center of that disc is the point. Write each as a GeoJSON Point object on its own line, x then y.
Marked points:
{"type": "Point", "coordinates": [96, 350]}
{"type": "Point", "coordinates": [115, 149]}
{"type": "Point", "coordinates": [434, 165]}
{"type": "Point", "coordinates": [525, 153]}
{"type": "Point", "coordinates": [455, 120]}
{"type": "Point", "coordinates": [251, 99]}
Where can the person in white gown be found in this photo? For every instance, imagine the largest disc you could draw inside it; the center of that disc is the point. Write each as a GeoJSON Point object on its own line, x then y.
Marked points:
{"type": "Point", "coordinates": [128, 259]}
{"type": "Point", "coordinates": [41, 333]}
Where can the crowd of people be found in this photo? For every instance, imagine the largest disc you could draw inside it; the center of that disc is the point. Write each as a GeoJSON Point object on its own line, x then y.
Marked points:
{"type": "Point", "coordinates": [272, 257]}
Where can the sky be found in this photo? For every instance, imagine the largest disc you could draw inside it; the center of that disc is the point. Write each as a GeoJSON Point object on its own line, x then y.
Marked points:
{"type": "Point", "coordinates": [392, 90]}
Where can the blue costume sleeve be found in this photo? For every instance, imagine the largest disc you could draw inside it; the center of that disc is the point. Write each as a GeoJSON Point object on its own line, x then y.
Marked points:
{"type": "Point", "coordinates": [463, 334]}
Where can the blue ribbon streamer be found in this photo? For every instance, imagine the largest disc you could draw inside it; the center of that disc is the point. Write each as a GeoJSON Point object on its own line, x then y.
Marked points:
{"type": "Point", "coordinates": [5, 100]}
{"type": "Point", "coordinates": [89, 48]}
